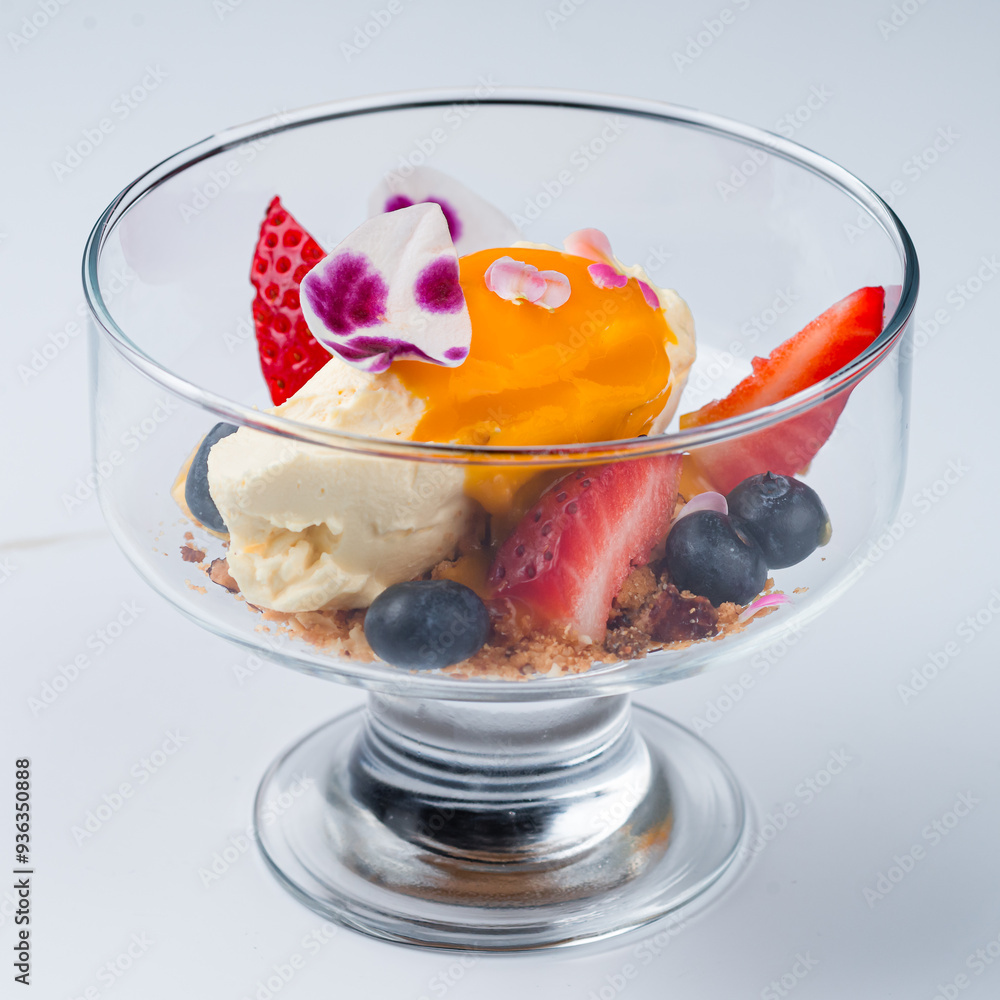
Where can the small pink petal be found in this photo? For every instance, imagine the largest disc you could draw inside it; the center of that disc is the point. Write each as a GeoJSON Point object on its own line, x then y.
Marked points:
{"type": "Point", "coordinates": [605, 276]}
{"type": "Point", "coordinates": [514, 279]}
{"type": "Point", "coordinates": [704, 501]}
{"type": "Point", "coordinates": [556, 289]}
{"type": "Point", "coordinates": [767, 601]}
{"type": "Point", "coordinates": [649, 294]}
{"type": "Point", "coordinates": [590, 243]}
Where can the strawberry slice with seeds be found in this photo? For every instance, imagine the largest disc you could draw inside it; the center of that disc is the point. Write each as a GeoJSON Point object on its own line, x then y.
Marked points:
{"type": "Point", "coordinates": [289, 354]}
{"type": "Point", "coordinates": [571, 552]}
{"type": "Point", "coordinates": [826, 345]}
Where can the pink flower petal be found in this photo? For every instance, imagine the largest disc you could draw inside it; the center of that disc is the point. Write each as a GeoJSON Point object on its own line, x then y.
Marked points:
{"type": "Point", "coordinates": [767, 601]}
{"type": "Point", "coordinates": [556, 289]}
{"type": "Point", "coordinates": [649, 294]}
{"type": "Point", "coordinates": [514, 279]}
{"type": "Point", "coordinates": [704, 501]}
{"type": "Point", "coordinates": [590, 243]}
{"type": "Point", "coordinates": [605, 276]}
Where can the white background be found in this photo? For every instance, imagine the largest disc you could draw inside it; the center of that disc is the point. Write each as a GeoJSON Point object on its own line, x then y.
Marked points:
{"type": "Point", "coordinates": [888, 93]}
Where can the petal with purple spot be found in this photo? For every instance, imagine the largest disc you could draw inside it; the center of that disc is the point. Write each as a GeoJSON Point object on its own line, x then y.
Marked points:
{"type": "Point", "coordinates": [396, 278]}
{"type": "Point", "coordinates": [474, 223]}
{"type": "Point", "coordinates": [437, 288]}
{"type": "Point", "coordinates": [347, 293]}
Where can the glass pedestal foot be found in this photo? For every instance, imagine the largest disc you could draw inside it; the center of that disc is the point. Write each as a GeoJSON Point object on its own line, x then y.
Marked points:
{"type": "Point", "coordinates": [498, 826]}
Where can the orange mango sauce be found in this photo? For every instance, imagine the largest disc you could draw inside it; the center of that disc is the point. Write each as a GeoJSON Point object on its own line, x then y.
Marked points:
{"type": "Point", "coordinates": [593, 369]}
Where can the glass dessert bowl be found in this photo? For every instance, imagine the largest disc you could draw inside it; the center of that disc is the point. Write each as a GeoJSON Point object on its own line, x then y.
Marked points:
{"type": "Point", "coordinates": [502, 794]}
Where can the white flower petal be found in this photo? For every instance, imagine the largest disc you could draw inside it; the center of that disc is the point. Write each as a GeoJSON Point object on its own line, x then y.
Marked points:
{"type": "Point", "coordinates": [474, 223]}
{"type": "Point", "coordinates": [391, 290]}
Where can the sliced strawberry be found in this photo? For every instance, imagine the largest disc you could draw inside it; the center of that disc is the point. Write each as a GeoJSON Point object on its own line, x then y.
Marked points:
{"type": "Point", "coordinates": [818, 350]}
{"type": "Point", "coordinates": [571, 552]}
{"type": "Point", "coordinates": [289, 354]}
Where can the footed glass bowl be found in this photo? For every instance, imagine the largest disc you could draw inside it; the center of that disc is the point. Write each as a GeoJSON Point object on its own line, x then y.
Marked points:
{"type": "Point", "coordinates": [496, 811]}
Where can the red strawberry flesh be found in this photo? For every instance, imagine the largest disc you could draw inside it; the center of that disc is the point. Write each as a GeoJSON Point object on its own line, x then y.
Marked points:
{"type": "Point", "coordinates": [289, 354]}
{"type": "Point", "coordinates": [826, 345]}
{"type": "Point", "coordinates": [571, 552]}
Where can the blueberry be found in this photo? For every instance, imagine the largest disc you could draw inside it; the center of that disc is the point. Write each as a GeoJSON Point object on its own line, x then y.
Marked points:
{"type": "Point", "coordinates": [196, 494]}
{"type": "Point", "coordinates": [426, 624]}
{"type": "Point", "coordinates": [786, 517]}
{"type": "Point", "coordinates": [714, 556]}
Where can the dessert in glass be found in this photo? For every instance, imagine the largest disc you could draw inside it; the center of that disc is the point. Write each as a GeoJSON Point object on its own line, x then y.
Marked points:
{"type": "Point", "coordinates": [463, 445]}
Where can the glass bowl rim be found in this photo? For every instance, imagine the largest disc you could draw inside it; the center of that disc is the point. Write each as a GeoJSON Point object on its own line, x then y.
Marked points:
{"type": "Point", "coordinates": [548, 455]}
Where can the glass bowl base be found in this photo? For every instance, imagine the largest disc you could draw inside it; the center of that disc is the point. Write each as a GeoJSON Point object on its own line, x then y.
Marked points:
{"type": "Point", "coordinates": [421, 823]}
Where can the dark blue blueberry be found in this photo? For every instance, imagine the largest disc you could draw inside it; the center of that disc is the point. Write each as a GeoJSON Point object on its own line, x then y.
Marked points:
{"type": "Point", "coordinates": [199, 500]}
{"type": "Point", "coordinates": [786, 517]}
{"type": "Point", "coordinates": [426, 624]}
{"type": "Point", "coordinates": [714, 556]}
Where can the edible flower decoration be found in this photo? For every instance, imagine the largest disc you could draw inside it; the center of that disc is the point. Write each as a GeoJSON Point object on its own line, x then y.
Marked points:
{"type": "Point", "coordinates": [474, 223]}
{"type": "Point", "coordinates": [391, 290]}
{"type": "Point", "coordinates": [608, 271]}
{"type": "Point", "coordinates": [767, 601]}
{"type": "Point", "coordinates": [515, 280]}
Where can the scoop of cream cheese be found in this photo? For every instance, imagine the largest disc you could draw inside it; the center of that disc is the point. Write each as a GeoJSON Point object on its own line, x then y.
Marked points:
{"type": "Point", "coordinates": [312, 528]}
